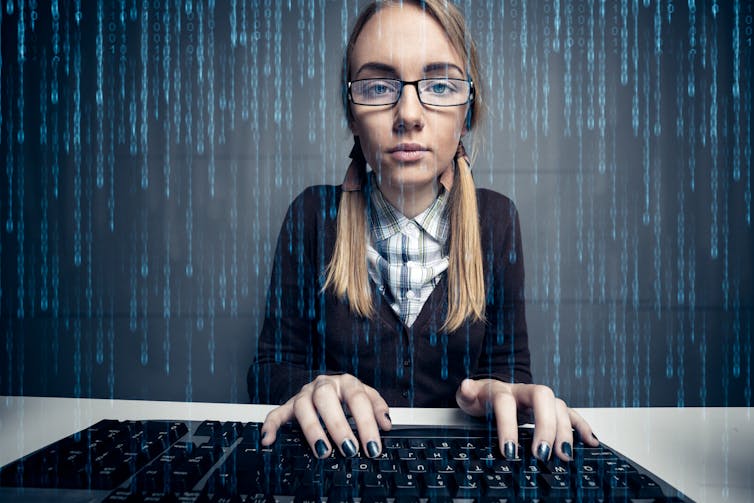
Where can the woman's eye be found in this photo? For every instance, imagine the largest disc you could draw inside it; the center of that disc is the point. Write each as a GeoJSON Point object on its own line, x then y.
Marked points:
{"type": "Point", "coordinates": [379, 88]}
{"type": "Point", "coordinates": [439, 87]}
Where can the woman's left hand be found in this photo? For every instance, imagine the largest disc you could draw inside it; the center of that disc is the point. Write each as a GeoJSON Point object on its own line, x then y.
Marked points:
{"type": "Point", "coordinates": [553, 419]}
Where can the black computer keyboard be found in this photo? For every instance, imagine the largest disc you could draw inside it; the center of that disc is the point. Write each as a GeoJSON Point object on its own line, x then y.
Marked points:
{"type": "Point", "coordinates": [175, 461]}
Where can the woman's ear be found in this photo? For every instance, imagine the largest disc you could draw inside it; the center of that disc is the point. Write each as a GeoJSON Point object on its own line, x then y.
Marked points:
{"type": "Point", "coordinates": [467, 121]}
{"type": "Point", "coordinates": [353, 127]}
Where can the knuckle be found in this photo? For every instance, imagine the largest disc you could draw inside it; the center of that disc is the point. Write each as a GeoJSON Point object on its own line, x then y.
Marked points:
{"type": "Point", "coordinates": [320, 379]}
{"type": "Point", "coordinates": [543, 392]}
{"type": "Point", "coordinates": [350, 382]}
{"type": "Point", "coordinates": [358, 397]}
{"type": "Point", "coordinates": [322, 389]}
{"type": "Point", "coordinates": [301, 400]}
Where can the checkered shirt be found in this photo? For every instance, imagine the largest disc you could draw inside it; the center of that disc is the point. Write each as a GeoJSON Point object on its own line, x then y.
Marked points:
{"type": "Point", "coordinates": [407, 257]}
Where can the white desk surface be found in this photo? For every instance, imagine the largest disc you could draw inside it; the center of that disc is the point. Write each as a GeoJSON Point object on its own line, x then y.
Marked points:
{"type": "Point", "coordinates": [708, 453]}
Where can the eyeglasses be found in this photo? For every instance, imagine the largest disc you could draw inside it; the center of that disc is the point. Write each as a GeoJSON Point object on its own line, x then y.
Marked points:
{"type": "Point", "coordinates": [439, 91]}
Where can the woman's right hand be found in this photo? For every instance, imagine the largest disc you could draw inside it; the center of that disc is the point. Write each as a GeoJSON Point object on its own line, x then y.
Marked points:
{"type": "Point", "coordinates": [324, 398]}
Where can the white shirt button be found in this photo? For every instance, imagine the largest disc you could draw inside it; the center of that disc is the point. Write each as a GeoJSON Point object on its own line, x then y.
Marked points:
{"type": "Point", "coordinates": [410, 294]}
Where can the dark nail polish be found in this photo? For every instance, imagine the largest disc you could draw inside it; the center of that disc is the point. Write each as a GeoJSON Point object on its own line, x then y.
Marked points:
{"type": "Point", "coordinates": [388, 417]}
{"type": "Point", "coordinates": [321, 448]}
{"type": "Point", "coordinates": [566, 448]}
{"type": "Point", "coordinates": [509, 450]}
{"type": "Point", "coordinates": [349, 449]}
{"type": "Point", "coordinates": [373, 449]}
{"type": "Point", "coordinates": [595, 437]}
{"type": "Point", "coordinates": [543, 451]}
{"type": "Point", "coordinates": [264, 434]}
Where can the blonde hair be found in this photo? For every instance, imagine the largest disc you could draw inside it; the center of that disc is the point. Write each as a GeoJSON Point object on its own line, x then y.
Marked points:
{"type": "Point", "coordinates": [347, 274]}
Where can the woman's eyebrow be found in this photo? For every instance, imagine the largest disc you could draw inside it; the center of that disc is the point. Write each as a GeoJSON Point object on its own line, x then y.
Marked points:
{"type": "Point", "coordinates": [375, 66]}
{"type": "Point", "coordinates": [443, 66]}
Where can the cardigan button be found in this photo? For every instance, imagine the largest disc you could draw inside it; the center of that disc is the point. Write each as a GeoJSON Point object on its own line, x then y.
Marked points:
{"type": "Point", "coordinates": [406, 362]}
{"type": "Point", "coordinates": [405, 393]}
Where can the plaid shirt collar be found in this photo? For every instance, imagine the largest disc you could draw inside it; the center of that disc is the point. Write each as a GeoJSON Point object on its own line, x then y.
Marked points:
{"type": "Point", "coordinates": [386, 220]}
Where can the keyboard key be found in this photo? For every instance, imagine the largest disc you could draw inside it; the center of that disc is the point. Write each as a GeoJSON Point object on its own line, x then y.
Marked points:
{"type": "Point", "coordinates": [344, 479]}
{"type": "Point", "coordinates": [527, 486]}
{"type": "Point", "coordinates": [362, 465]}
{"type": "Point", "coordinates": [407, 454]}
{"type": "Point", "coordinates": [436, 454]}
{"type": "Point", "coordinates": [386, 466]}
{"type": "Point", "coordinates": [498, 486]}
{"type": "Point", "coordinates": [376, 480]}
{"type": "Point", "coordinates": [459, 454]}
{"type": "Point", "coordinates": [466, 445]}
{"type": "Point", "coordinates": [438, 484]}
{"type": "Point", "coordinates": [468, 485]}
{"type": "Point", "coordinates": [208, 429]}
{"type": "Point", "coordinates": [309, 494]}
{"type": "Point", "coordinates": [556, 486]}
{"type": "Point", "coordinates": [477, 467]}
{"type": "Point", "coordinates": [643, 486]}
{"type": "Point", "coordinates": [406, 484]}
{"type": "Point", "coordinates": [441, 444]}
{"type": "Point", "coordinates": [616, 486]}
{"type": "Point", "coordinates": [449, 467]}
{"type": "Point", "coordinates": [375, 495]}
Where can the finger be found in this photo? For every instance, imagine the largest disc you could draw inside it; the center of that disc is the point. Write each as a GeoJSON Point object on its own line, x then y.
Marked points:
{"type": "Point", "coordinates": [504, 405]}
{"type": "Point", "coordinates": [467, 397]}
{"type": "Point", "coordinates": [327, 400]}
{"type": "Point", "coordinates": [363, 415]}
{"type": "Point", "coordinates": [542, 402]}
{"type": "Point", "coordinates": [380, 407]}
{"type": "Point", "coordinates": [583, 429]}
{"type": "Point", "coordinates": [564, 433]}
{"type": "Point", "coordinates": [274, 420]}
{"type": "Point", "coordinates": [308, 419]}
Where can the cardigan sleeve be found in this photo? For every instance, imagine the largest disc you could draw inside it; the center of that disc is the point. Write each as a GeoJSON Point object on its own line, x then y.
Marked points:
{"type": "Point", "coordinates": [287, 344]}
{"type": "Point", "coordinates": [505, 352]}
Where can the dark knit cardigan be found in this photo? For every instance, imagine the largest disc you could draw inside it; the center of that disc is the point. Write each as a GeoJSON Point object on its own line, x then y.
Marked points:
{"type": "Point", "coordinates": [308, 332]}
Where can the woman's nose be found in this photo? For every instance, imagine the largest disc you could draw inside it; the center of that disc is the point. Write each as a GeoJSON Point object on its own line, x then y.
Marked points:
{"type": "Point", "coordinates": [409, 110]}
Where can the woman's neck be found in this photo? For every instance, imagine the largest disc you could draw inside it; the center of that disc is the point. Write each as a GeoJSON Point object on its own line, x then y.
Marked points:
{"type": "Point", "coordinates": [410, 201]}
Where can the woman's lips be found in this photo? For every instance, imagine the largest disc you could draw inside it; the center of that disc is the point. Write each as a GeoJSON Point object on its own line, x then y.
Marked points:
{"type": "Point", "coordinates": [407, 155]}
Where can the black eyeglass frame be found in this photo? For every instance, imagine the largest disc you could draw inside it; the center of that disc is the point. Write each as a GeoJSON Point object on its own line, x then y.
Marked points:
{"type": "Point", "coordinates": [414, 83]}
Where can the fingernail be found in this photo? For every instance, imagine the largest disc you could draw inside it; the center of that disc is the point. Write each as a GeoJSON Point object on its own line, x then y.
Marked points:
{"type": "Point", "coordinates": [321, 448]}
{"type": "Point", "coordinates": [509, 450]}
{"type": "Point", "coordinates": [388, 417]}
{"type": "Point", "coordinates": [264, 434]}
{"type": "Point", "coordinates": [566, 448]}
{"type": "Point", "coordinates": [373, 449]}
{"type": "Point", "coordinates": [543, 451]}
{"type": "Point", "coordinates": [595, 437]}
{"type": "Point", "coordinates": [349, 449]}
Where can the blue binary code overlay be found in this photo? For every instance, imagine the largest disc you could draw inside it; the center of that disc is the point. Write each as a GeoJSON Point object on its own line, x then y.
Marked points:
{"type": "Point", "coordinates": [149, 150]}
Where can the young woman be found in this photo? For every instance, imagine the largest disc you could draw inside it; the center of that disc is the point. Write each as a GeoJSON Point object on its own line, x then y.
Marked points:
{"type": "Point", "coordinates": [404, 286]}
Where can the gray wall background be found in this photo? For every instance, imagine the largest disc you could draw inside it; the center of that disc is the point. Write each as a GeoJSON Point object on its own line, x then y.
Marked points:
{"type": "Point", "coordinates": [150, 150]}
